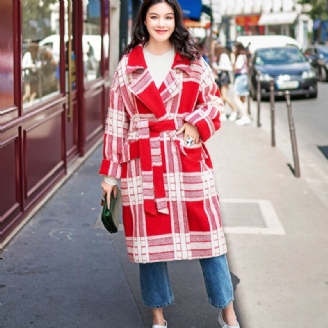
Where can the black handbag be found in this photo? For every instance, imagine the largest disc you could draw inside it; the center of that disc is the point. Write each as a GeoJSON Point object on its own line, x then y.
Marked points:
{"type": "Point", "coordinates": [223, 78]}
{"type": "Point", "coordinates": [110, 217]}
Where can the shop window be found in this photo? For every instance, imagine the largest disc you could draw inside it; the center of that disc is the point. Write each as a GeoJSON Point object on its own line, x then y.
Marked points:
{"type": "Point", "coordinates": [40, 53]}
{"type": "Point", "coordinates": [92, 42]}
{"type": "Point", "coordinates": [6, 55]}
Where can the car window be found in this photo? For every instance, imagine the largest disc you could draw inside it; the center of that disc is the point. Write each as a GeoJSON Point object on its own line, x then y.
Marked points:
{"type": "Point", "coordinates": [323, 52]}
{"type": "Point", "coordinates": [278, 56]}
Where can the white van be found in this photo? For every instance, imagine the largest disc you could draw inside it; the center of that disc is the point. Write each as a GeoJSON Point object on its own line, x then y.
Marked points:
{"type": "Point", "coordinates": [53, 41]}
{"type": "Point", "coordinates": [265, 41]}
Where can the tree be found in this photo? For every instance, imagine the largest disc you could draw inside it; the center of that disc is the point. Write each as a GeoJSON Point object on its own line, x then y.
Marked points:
{"type": "Point", "coordinates": [34, 13]}
{"type": "Point", "coordinates": [319, 8]}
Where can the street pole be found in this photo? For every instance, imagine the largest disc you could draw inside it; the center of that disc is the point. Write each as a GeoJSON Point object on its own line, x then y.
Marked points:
{"type": "Point", "coordinates": [211, 36]}
{"type": "Point", "coordinates": [258, 98]}
{"type": "Point", "coordinates": [273, 134]}
{"type": "Point", "coordinates": [297, 171]}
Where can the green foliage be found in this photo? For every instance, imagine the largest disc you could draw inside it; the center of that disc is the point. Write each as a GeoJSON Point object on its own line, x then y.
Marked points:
{"type": "Point", "coordinates": [33, 12]}
{"type": "Point", "coordinates": [319, 8]}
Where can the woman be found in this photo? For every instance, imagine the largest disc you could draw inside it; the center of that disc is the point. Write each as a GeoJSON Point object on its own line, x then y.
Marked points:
{"type": "Point", "coordinates": [30, 64]}
{"type": "Point", "coordinates": [163, 105]}
{"type": "Point", "coordinates": [223, 68]}
{"type": "Point", "coordinates": [241, 88]}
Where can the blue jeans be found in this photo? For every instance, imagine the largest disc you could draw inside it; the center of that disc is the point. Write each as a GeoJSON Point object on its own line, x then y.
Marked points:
{"type": "Point", "coordinates": [156, 290]}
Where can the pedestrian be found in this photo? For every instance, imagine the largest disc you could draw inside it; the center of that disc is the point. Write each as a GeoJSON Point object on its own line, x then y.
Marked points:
{"type": "Point", "coordinates": [241, 85]}
{"type": "Point", "coordinates": [163, 105]}
{"type": "Point", "coordinates": [223, 68]}
{"type": "Point", "coordinates": [91, 62]}
{"type": "Point", "coordinates": [31, 65]}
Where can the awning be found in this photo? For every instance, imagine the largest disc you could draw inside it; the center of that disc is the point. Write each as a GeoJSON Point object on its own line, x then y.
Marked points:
{"type": "Point", "coordinates": [192, 24]}
{"type": "Point", "coordinates": [278, 18]}
{"type": "Point", "coordinates": [191, 9]}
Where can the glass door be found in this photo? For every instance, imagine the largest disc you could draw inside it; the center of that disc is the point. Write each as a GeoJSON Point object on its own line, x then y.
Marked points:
{"type": "Point", "coordinates": [70, 86]}
{"type": "Point", "coordinates": [70, 58]}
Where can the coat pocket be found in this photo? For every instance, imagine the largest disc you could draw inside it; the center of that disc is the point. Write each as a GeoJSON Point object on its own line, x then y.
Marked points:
{"type": "Point", "coordinates": [194, 152]}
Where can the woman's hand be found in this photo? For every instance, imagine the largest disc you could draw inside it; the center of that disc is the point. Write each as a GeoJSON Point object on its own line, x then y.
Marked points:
{"type": "Point", "coordinates": [191, 131]}
{"type": "Point", "coordinates": [108, 189]}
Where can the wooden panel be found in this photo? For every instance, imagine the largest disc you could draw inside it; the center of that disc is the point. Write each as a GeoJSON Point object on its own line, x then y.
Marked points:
{"type": "Point", "coordinates": [43, 153]}
{"type": "Point", "coordinates": [9, 182]}
{"type": "Point", "coordinates": [94, 102]}
{"type": "Point", "coordinates": [8, 170]}
{"type": "Point", "coordinates": [72, 134]}
{"type": "Point", "coordinates": [8, 114]}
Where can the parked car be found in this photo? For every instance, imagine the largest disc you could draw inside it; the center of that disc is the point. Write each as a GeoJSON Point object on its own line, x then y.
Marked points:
{"type": "Point", "coordinates": [289, 69]}
{"type": "Point", "coordinates": [317, 55]}
{"type": "Point", "coordinates": [254, 42]}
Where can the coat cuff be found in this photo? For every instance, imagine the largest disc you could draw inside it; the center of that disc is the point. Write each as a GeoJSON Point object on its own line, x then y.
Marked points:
{"type": "Point", "coordinates": [110, 168]}
{"type": "Point", "coordinates": [206, 127]}
{"type": "Point", "coordinates": [110, 180]}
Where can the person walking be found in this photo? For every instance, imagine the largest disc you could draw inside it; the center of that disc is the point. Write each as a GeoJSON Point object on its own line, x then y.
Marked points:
{"type": "Point", "coordinates": [223, 68]}
{"type": "Point", "coordinates": [31, 65]}
{"type": "Point", "coordinates": [163, 105]}
{"type": "Point", "coordinates": [241, 85]}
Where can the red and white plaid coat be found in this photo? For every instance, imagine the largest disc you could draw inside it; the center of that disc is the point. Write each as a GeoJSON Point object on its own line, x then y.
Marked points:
{"type": "Point", "coordinates": [171, 210]}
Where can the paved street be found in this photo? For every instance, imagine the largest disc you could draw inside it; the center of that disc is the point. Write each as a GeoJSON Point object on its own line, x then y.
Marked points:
{"type": "Point", "coordinates": [64, 270]}
{"type": "Point", "coordinates": [310, 117]}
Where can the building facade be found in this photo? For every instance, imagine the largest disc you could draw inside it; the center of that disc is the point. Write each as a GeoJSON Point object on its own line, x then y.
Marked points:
{"type": "Point", "coordinates": [54, 80]}
{"type": "Point", "coordinates": [252, 17]}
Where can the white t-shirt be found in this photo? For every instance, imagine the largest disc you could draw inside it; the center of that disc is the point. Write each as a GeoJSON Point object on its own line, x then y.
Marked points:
{"type": "Point", "coordinates": [241, 64]}
{"type": "Point", "coordinates": [224, 63]}
{"type": "Point", "coordinates": [159, 65]}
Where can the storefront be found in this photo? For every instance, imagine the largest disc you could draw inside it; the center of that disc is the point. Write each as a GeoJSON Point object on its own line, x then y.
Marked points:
{"type": "Point", "coordinates": [53, 93]}
{"type": "Point", "coordinates": [279, 23]}
{"type": "Point", "coordinates": [249, 25]}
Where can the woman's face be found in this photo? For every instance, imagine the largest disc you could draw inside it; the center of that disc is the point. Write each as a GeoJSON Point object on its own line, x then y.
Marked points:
{"type": "Point", "coordinates": [160, 22]}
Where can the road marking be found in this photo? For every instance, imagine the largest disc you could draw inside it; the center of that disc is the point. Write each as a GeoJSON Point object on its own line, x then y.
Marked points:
{"type": "Point", "coordinates": [271, 220]}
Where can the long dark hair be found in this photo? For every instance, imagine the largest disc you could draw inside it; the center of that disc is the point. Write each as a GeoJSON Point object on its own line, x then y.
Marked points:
{"type": "Point", "coordinates": [219, 50]}
{"type": "Point", "coordinates": [240, 49]}
{"type": "Point", "coordinates": [181, 38]}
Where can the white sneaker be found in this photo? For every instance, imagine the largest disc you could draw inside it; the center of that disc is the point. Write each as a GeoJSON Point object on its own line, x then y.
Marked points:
{"type": "Point", "coordinates": [159, 326]}
{"type": "Point", "coordinates": [233, 116]}
{"type": "Point", "coordinates": [223, 117]}
{"type": "Point", "coordinates": [223, 324]}
{"type": "Point", "coordinates": [244, 121]}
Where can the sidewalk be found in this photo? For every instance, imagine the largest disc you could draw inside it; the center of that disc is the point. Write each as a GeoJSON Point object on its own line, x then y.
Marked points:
{"type": "Point", "coordinates": [64, 270]}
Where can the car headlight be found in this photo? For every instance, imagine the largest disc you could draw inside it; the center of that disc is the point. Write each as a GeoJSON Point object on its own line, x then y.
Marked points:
{"type": "Point", "coordinates": [265, 77]}
{"type": "Point", "coordinates": [308, 74]}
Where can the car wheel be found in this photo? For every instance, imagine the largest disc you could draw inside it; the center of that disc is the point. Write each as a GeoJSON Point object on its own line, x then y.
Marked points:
{"type": "Point", "coordinates": [314, 95]}
{"type": "Point", "coordinates": [323, 74]}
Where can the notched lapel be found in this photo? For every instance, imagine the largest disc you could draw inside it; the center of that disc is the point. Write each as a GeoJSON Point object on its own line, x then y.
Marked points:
{"type": "Point", "coordinates": [173, 86]}
{"type": "Point", "coordinates": [144, 88]}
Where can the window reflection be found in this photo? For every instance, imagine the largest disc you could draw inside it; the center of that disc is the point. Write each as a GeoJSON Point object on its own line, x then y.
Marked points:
{"type": "Point", "coordinates": [40, 58]}
{"type": "Point", "coordinates": [6, 56]}
{"type": "Point", "coordinates": [91, 39]}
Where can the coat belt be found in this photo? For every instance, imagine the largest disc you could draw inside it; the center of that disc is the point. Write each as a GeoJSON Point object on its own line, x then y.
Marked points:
{"type": "Point", "coordinates": [148, 148]}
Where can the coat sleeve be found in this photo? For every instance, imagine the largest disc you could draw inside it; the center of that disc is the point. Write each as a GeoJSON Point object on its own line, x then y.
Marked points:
{"type": "Point", "coordinates": [206, 115]}
{"type": "Point", "coordinates": [116, 131]}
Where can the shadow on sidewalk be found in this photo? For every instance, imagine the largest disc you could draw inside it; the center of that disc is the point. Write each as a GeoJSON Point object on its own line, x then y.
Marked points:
{"type": "Point", "coordinates": [64, 270]}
